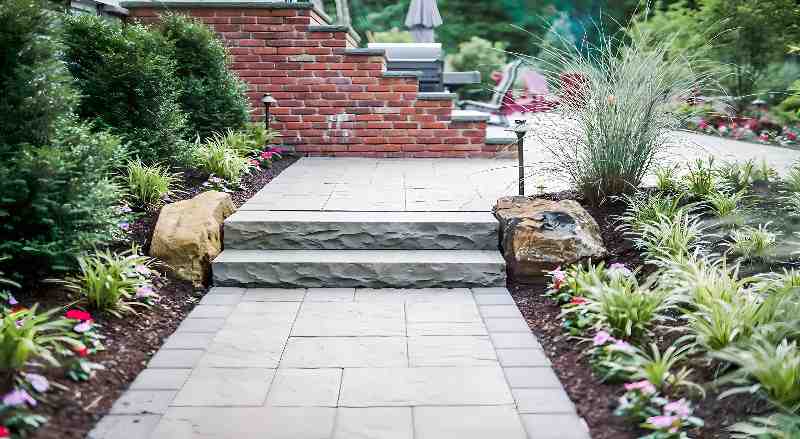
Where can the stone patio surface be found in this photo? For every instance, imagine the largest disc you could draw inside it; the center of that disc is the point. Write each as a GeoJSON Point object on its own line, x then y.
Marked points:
{"type": "Point", "coordinates": [364, 184]}
{"type": "Point", "coordinates": [348, 363]}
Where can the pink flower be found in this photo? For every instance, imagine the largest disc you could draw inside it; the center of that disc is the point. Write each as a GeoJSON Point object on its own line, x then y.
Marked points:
{"type": "Point", "coordinates": [12, 300]}
{"type": "Point", "coordinates": [643, 386]}
{"type": "Point", "coordinates": [255, 162]}
{"type": "Point", "coordinates": [82, 327]}
{"type": "Point", "coordinates": [277, 150]}
{"type": "Point", "coordinates": [722, 129]}
{"type": "Point", "coordinates": [622, 345]}
{"type": "Point", "coordinates": [559, 276]}
{"type": "Point", "coordinates": [662, 422]}
{"type": "Point", "coordinates": [703, 124]}
{"type": "Point", "coordinates": [764, 137]}
{"type": "Point", "coordinates": [601, 338]}
{"type": "Point", "coordinates": [266, 155]}
{"type": "Point", "coordinates": [38, 382]}
{"type": "Point", "coordinates": [680, 408]}
{"type": "Point", "coordinates": [577, 300]}
{"type": "Point", "coordinates": [144, 292]}
{"type": "Point", "coordinates": [76, 314]}
{"type": "Point", "coordinates": [18, 397]}
{"type": "Point", "coordinates": [142, 269]}
{"type": "Point", "coordinates": [791, 136]}
{"type": "Point", "coordinates": [124, 226]}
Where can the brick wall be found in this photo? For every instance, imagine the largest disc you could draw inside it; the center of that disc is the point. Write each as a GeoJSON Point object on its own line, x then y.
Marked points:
{"type": "Point", "coordinates": [333, 99]}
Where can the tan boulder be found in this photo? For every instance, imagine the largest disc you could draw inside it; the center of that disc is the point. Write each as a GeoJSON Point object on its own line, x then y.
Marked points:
{"type": "Point", "coordinates": [188, 234]}
{"type": "Point", "coordinates": [538, 235]}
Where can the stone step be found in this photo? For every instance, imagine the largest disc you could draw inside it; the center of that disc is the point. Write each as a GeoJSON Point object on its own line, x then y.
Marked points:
{"type": "Point", "coordinates": [307, 230]}
{"type": "Point", "coordinates": [359, 268]}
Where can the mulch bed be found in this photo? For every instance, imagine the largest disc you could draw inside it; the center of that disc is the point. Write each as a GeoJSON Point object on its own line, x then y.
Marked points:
{"type": "Point", "coordinates": [72, 410]}
{"type": "Point", "coordinates": [595, 401]}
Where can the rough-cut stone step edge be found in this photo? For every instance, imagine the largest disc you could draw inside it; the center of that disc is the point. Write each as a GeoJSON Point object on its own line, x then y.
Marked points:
{"type": "Point", "coordinates": [332, 217]}
{"type": "Point", "coordinates": [459, 116]}
{"type": "Point", "coordinates": [402, 74]}
{"type": "Point", "coordinates": [437, 96]}
{"type": "Point", "coordinates": [368, 257]}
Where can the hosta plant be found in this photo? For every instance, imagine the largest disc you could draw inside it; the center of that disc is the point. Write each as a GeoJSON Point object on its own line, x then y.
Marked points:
{"type": "Point", "coordinates": [114, 282]}
{"type": "Point", "coordinates": [149, 185]}
{"type": "Point", "coordinates": [699, 280]}
{"type": "Point", "coordinates": [664, 370]}
{"type": "Point", "coordinates": [724, 204]}
{"type": "Point", "coordinates": [777, 426]}
{"type": "Point", "coordinates": [765, 368]}
{"type": "Point", "coordinates": [671, 237]}
{"type": "Point", "coordinates": [644, 209]}
{"type": "Point", "coordinates": [752, 243]}
{"type": "Point", "coordinates": [217, 157]}
{"type": "Point", "coordinates": [27, 334]}
{"type": "Point", "coordinates": [717, 324]}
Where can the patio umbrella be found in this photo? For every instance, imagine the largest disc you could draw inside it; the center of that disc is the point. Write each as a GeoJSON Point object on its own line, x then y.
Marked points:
{"type": "Point", "coordinates": [422, 17]}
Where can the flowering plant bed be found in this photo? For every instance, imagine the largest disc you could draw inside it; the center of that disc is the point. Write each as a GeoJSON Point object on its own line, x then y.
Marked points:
{"type": "Point", "coordinates": [100, 353]}
{"type": "Point", "coordinates": [746, 129]}
{"type": "Point", "coordinates": [676, 333]}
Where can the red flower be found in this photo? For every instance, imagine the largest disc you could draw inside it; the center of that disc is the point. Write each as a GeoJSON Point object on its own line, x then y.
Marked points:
{"type": "Point", "coordinates": [82, 351]}
{"type": "Point", "coordinates": [76, 314]}
{"type": "Point", "coordinates": [4, 433]}
{"type": "Point", "coordinates": [577, 300]}
{"type": "Point", "coordinates": [791, 136]}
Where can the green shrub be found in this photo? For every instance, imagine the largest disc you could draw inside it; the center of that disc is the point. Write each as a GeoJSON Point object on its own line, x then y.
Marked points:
{"type": "Point", "coordinates": [393, 35]}
{"type": "Point", "coordinates": [111, 282]}
{"type": "Point", "coordinates": [483, 56]}
{"type": "Point", "coordinates": [667, 179]}
{"type": "Point", "coordinates": [149, 184]}
{"type": "Point", "coordinates": [775, 369]}
{"type": "Point", "coordinates": [212, 96]}
{"type": "Point", "coordinates": [644, 208]}
{"type": "Point", "coordinates": [659, 368]}
{"type": "Point", "coordinates": [671, 237]}
{"type": "Point", "coordinates": [701, 180]}
{"type": "Point", "coordinates": [717, 324]}
{"type": "Point", "coordinates": [752, 243]}
{"type": "Point", "coordinates": [129, 85]}
{"type": "Point", "coordinates": [724, 204]}
{"type": "Point", "coordinates": [27, 334]}
{"type": "Point", "coordinates": [217, 157]}
{"type": "Point", "coordinates": [792, 179]}
{"type": "Point", "coordinates": [247, 142]}
{"type": "Point", "coordinates": [34, 85]}
{"type": "Point", "coordinates": [57, 201]}
{"type": "Point", "coordinates": [777, 426]}
{"type": "Point", "coordinates": [701, 280]}
{"type": "Point", "coordinates": [620, 103]}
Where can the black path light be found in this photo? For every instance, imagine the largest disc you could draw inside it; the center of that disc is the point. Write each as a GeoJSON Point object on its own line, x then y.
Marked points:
{"type": "Point", "coordinates": [520, 128]}
{"type": "Point", "coordinates": [268, 101]}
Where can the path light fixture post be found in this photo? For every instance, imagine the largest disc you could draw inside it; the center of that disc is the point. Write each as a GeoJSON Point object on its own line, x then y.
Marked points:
{"type": "Point", "coordinates": [268, 101]}
{"type": "Point", "coordinates": [520, 128]}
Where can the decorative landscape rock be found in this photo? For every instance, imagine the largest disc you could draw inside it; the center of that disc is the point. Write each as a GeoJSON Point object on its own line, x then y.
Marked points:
{"type": "Point", "coordinates": [537, 235]}
{"type": "Point", "coordinates": [187, 235]}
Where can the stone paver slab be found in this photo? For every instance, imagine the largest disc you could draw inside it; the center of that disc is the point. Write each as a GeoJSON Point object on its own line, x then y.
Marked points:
{"type": "Point", "coordinates": [522, 357]}
{"type": "Point", "coordinates": [451, 351]}
{"type": "Point", "coordinates": [305, 387]}
{"type": "Point", "coordinates": [479, 422]}
{"type": "Point", "coordinates": [316, 352]}
{"type": "Point", "coordinates": [374, 423]}
{"type": "Point", "coordinates": [135, 402]}
{"type": "Point", "coordinates": [555, 426]}
{"type": "Point", "coordinates": [175, 358]}
{"type": "Point", "coordinates": [446, 328]}
{"type": "Point", "coordinates": [225, 290]}
{"type": "Point", "coordinates": [210, 312]}
{"type": "Point", "coordinates": [369, 387]}
{"type": "Point", "coordinates": [246, 423]}
{"type": "Point", "coordinates": [330, 295]}
{"type": "Point", "coordinates": [201, 325]}
{"type": "Point", "coordinates": [533, 377]}
{"type": "Point", "coordinates": [188, 340]}
{"type": "Point", "coordinates": [350, 319]}
{"type": "Point", "coordinates": [442, 312]}
{"type": "Point", "coordinates": [500, 311]}
{"type": "Point", "coordinates": [422, 295]}
{"type": "Point", "coordinates": [161, 379]}
{"type": "Point", "coordinates": [507, 325]}
{"type": "Point", "coordinates": [550, 400]}
{"type": "Point", "coordinates": [274, 295]}
{"type": "Point", "coordinates": [221, 299]}
{"type": "Point", "coordinates": [246, 348]}
{"type": "Point", "coordinates": [225, 387]}
{"type": "Point", "coordinates": [125, 426]}
{"type": "Point", "coordinates": [514, 340]}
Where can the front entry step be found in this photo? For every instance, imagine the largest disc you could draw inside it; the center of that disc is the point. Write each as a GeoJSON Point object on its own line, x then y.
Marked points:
{"type": "Point", "coordinates": [360, 268]}
{"type": "Point", "coordinates": [308, 230]}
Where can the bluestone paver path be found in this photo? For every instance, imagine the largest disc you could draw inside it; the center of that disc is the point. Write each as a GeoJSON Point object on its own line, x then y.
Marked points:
{"type": "Point", "coordinates": [348, 363]}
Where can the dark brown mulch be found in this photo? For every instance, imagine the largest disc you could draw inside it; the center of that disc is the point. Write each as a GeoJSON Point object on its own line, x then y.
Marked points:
{"type": "Point", "coordinates": [73, 410]}
{"type": "Point", "coordinates": [594, 400]}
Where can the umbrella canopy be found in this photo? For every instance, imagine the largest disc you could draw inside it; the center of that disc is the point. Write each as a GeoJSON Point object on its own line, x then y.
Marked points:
{"type": "Point", "coordinates": [422, 17]}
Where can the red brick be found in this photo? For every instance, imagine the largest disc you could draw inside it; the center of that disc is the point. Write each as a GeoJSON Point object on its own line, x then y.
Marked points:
{"type": "Point", "coordinates": [272, 20]}
{"type": "Point", "coordinates": [333, 43]}
{"type": "Point", "coordinates": [251, 43]}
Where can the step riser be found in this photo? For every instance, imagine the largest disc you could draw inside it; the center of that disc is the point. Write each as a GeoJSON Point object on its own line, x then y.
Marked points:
{"type": "Point", "coordinates": [364, 275]}
{"type": "Point", "coordinates": [360, 236]}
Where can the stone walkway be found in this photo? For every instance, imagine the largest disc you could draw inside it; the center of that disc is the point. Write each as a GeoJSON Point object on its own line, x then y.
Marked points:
{"type": "Point", "coordinates": [348, 363]}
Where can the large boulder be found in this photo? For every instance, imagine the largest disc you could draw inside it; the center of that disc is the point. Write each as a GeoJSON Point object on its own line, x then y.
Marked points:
{"type": "Point", "coordinates": [188, 234]}
{"type": "Point", "coordinates": [538, 235]}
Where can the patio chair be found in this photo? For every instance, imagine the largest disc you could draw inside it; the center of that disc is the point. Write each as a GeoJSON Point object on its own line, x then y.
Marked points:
{"type": "Point", "coordinates": [502, 95]}
{"type": "Point", "coordinates": [424, 57]}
